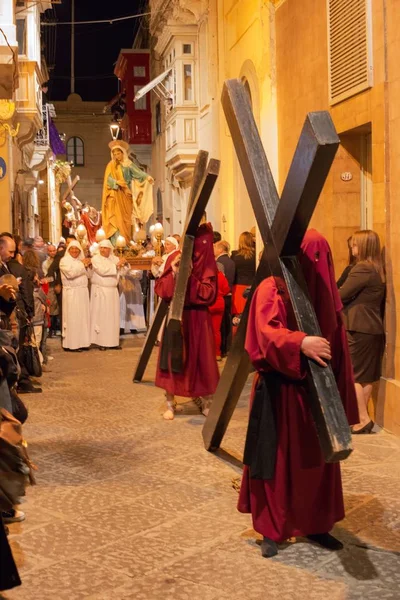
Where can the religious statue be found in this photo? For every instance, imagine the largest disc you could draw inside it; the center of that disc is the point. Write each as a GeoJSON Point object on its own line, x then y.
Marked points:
{"type": "Point", "coordinates": [123, 182]}
{"type": "Point", "coordinates": [91, 219]}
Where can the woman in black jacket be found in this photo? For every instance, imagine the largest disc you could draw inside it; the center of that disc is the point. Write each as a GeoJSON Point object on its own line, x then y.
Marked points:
{"type": "Point", "coordinates": [362, 295]}
{"type": "Point", "coordinates": [350, 264]}
{"type": "Point", "coordinates": [245, 271]}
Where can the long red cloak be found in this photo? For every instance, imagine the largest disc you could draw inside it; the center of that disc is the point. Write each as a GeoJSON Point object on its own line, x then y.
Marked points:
{"type": "Point", "coordinates": [200, 374]}
{"type": "Point", "coordinates": [305, 494]}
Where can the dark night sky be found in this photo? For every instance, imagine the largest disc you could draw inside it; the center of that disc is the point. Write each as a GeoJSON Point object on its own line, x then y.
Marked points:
{"type": "Point", "coordinates": [96, 47]}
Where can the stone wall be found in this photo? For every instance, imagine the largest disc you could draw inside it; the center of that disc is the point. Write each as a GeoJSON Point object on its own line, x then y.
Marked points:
{"type": "Point", "coordinates": [87, 121]}
{"type": "Point", "coordinates": [303, 86]}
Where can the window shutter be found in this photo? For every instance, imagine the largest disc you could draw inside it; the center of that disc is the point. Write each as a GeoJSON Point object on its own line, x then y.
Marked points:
{"type": "Point", "coordinates": [350, 48]}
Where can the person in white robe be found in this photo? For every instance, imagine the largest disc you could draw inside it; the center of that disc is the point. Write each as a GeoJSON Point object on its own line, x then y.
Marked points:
{"type": "Point", "coordinates": [104, 298]}
{"type": "Point", "coordinates": [75, 299]}
{"type": "Point", "coordinates": [131, 301]}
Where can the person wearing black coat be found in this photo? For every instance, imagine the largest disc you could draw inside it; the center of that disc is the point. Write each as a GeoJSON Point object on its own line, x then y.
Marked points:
{"type": "Point", "coordinates": [9, 577]}
{"type": "Point", "coordinates": [7, 304]}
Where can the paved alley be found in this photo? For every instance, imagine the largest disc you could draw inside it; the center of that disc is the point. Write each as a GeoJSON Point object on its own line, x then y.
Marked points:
{"type": "Point", "coordinates": [129, 506]}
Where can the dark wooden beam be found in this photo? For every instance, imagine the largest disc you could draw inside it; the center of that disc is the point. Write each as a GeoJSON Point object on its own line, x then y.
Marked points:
{"type": "Point", "coordinates": [282, 227]}
{"type": "Point", "coordinates": [150, 340]}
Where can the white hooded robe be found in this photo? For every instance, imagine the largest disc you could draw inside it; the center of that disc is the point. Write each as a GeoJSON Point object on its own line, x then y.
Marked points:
{"type": "Point", "coordinates": [75, 301]}
{"type": "Point", "coordinates": [104, 302]}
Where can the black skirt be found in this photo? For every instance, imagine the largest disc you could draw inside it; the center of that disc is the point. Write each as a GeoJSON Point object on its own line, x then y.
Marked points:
{"type": "Point", "coordinates": [366, 351]}
{"type": "Point", "coordinates": [9, 577]}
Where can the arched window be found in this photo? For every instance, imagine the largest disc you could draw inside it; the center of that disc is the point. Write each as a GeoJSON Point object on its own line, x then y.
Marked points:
{"type": "Point", "coordinates": [75, 151]}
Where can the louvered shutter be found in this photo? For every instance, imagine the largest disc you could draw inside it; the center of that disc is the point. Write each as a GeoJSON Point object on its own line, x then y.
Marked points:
{"type": "Point", "coordinates": [350, 48]}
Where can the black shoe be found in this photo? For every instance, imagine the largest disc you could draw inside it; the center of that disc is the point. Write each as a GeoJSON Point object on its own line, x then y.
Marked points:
{"type": "Point", "coordinates": [116, 348]}
{"type": "Point", "coordinates": [366, 429]}
{"type": "Point", "coordinates": [326, 540]}
{"type": "Point", "coordinates": [102, 348]}
{"type": "Point", "coordinates": [29, 390]}
{"type": "Point", "coordinates": [268, 548]}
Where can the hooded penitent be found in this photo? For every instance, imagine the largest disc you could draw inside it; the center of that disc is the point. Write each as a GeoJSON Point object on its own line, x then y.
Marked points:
{"type": "Point", "coordinates": [287, 486]}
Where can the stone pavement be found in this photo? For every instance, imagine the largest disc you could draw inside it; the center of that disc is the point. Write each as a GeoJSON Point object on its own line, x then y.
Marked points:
{"type": "Point", "coordinates": [129, 506]}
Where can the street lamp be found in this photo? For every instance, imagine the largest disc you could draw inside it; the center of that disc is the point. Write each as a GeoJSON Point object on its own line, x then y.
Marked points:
{"type": "Point", "coordinates": [114, 130]}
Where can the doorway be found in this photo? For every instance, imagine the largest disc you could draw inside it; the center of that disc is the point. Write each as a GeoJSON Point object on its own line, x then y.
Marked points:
{"type": "Point", "coordinates": [352, 190]}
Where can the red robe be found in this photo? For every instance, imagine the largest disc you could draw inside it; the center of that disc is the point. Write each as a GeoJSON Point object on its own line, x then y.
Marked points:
{"type": "Point", "coordinates": [217, 311]}
{"type": "Point", "coordinates": [200, 374]}
{"type": "Point", "coordinates": [91, 227]}
{"type": "Point", "coordinates": [305, 494]}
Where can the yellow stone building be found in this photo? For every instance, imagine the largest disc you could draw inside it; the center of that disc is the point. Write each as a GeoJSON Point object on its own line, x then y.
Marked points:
{"type": "Point", "coordinates": [293, 58]}
{"type": "Point", "coordinates": [28, 204]}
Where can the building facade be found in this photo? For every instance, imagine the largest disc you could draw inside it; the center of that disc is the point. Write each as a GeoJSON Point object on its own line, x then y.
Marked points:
{"type": "Point", "coordinates": [87, 135]}
{"type": "Point", "coordinates": [293, 58]}
{"type": "Point", "coordinates": [25, 146]}
{"type": "Point", "coordinates": [342, 58]}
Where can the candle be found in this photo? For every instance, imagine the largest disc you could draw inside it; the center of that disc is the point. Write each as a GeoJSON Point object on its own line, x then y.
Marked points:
{"type": "Point", "coordinates": [100, 235]}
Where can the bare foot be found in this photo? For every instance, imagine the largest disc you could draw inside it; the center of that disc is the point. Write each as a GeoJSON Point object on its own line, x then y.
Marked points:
{"type": "Point", "coordinates": [169, 414]}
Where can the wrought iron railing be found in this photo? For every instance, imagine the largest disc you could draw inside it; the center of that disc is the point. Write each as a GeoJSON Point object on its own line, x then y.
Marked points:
{"type": "Point", "coordinates": [42, 137]}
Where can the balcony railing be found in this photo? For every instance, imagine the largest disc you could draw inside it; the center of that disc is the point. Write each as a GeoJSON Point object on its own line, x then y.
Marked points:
{"type": "Point", "coordinates": [43, 137]}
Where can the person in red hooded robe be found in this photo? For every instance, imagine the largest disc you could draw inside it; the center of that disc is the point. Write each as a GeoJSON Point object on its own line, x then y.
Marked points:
{"type": "Point", "coordinates": [200, 375]}
{"type": "Point", "coordinates": [287, 486]}
{"type": "Point", "coordinates": [217, 309]}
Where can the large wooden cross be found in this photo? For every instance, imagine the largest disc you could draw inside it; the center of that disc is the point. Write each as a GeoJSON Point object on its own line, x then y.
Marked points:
{"type": "Point", "coordinates": [69, 194]}
{"type": "Point", "coordinates": [204, 178]}
{"type": "Point", "coordinates": [282, 224]}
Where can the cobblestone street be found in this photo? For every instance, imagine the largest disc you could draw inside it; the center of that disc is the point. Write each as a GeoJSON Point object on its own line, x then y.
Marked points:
{"type": "Point", "coordinates": [129, 506]}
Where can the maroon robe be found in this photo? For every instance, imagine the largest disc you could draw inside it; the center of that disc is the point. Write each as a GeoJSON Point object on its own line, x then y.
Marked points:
{"type": "Point", "coordinates": [200, 373]}
{"type": "Point", "coordinates": [305, 494]}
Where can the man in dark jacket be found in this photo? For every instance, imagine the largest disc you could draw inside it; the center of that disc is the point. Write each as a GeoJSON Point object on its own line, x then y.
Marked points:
{"type": "Point", "coordinates": [23, 301]}
{"type": "Point", "coordinates": [221, 252]}
{"type": "Point", "coordinates": [8, 299]}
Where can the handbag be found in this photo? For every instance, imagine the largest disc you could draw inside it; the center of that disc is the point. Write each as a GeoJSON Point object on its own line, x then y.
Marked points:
{"type": "Point", "coordinates": [29, 353]}
{"type": "Point", "coordinates": [13, 467]}
{"type": "Point", "coordinates": [9, 364]}
{"type": "Point", "coordinates": [19, 410]}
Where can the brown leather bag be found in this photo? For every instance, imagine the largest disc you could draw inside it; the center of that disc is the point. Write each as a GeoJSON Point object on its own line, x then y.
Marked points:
{"type": "Point", "coordinates": [15, 466]}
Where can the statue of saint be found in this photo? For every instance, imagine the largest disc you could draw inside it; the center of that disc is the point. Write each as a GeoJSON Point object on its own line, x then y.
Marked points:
{"type": "Point", "coordinates": [91, 219]}
{"type": "Point", "coordinates": [117, 205]}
